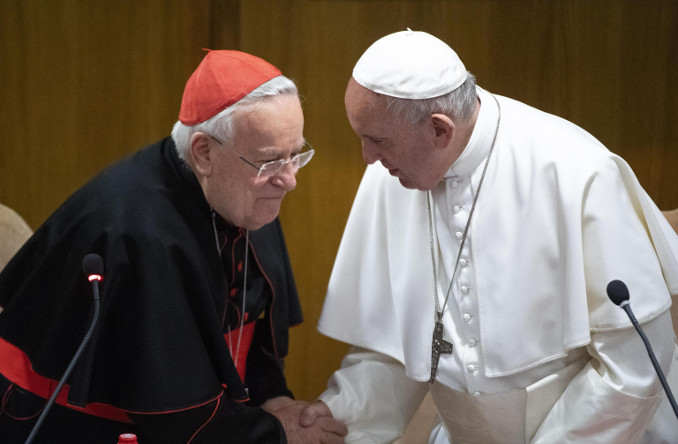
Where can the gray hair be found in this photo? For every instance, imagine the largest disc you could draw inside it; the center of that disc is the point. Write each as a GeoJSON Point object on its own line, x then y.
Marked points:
{"type": "Point", "coordinates": [458, 104]}
{"type": "Point", "coordinates": [221, 125]}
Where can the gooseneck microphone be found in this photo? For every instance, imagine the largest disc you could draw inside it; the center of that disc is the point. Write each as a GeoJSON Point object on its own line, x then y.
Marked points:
{"type": "Point", "coordinates": [93, 267]}
{"type": "Point", "coordinates": [619, 295]}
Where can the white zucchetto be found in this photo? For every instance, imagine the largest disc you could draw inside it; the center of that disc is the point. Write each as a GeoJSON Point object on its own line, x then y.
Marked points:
{"type": "Point", "coordinates": [410, 65]}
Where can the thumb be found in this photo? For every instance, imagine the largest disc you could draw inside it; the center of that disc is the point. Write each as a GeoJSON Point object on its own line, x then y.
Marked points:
{"type": "Point", "coordinates": [313, 411]}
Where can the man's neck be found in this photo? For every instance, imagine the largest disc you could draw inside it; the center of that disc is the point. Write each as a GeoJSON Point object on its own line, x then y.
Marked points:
{"type": "Point", "coordinates": [464, 131]}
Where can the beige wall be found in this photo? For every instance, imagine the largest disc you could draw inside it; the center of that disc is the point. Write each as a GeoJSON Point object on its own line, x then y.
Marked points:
{"type": "Point", "coordinates": [82, 83]}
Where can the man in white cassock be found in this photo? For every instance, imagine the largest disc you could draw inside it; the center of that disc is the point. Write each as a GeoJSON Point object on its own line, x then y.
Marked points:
{"type": "Point", "coordinates": [475, 263]}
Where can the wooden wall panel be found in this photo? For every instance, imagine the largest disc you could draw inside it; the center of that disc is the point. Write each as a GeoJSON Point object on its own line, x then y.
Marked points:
{"type": "Point", "coordinates": [84, 83]}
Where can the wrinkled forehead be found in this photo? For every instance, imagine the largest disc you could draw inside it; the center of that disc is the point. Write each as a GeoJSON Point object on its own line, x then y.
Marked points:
{"type": "Point", "coordinates": [276, 124]}
{"type": "Point", "coordinates": [361, 101]}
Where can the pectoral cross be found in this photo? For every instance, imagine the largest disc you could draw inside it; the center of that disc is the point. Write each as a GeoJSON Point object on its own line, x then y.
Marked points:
{"type": "Point", "coordinates": [438, 346]}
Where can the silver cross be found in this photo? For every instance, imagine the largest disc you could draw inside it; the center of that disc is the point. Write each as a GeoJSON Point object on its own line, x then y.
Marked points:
{"type": "Point", "coordinates": [438, 346]}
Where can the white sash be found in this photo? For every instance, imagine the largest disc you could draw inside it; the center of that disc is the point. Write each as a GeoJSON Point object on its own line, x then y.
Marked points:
{"type": "Point", "coordinates": [511, 417]}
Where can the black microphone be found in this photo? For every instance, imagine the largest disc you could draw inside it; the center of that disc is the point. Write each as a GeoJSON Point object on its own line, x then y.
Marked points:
{"type": "Point", "coordinates": [93, 267]}
{"type": "Point", "coordinates": [619, 295]}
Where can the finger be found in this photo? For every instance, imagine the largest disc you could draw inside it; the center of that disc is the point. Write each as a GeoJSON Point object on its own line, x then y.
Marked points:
{"type": "Point", "coordinates": [333, 426]}
{"type": "Point", "coordinates": [330, 438]}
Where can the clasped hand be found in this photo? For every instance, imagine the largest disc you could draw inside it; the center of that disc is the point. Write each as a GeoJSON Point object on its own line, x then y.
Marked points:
{"type": "Point", "coordinates": [306, 423]}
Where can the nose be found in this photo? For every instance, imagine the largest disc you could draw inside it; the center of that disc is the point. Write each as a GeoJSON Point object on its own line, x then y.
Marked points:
{"type": "Point", "coordinates": [286, 177]}
{"type": "Point", "coordinates": [370, 154]}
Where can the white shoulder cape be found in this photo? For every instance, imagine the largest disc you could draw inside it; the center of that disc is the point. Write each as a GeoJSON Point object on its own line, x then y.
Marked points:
{"type": "Point", "coordinates": [559, 217]}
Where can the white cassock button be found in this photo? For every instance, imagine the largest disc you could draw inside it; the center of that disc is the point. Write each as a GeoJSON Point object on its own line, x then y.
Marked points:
{"type": "Point", "coordinates": [463, 262]}
{"type": "Point", "coordinates": [456, 209]}
{"type": "Point", "coordinates": [472, 342]}
{"type": "Point", "coordinates": [471, 368]}
{"type": "Point", "coordinates": [459, 235]}
{"type": "Point", "coordinates": [478, 393]}
{"type": "Point", "coordinates": [467, 317]}
{"type": "Point", "coordinates": [464, 289]}
{"type": "Point", "coordinates": [454, 184]}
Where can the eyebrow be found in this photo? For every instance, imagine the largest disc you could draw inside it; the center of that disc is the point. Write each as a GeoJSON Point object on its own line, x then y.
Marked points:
{"type": "Point", "coordinates": [369, 136]}
{"type": "Point", "coordinates": [304, 143]}
{"type": "Point", "coordinates": [269, 152]}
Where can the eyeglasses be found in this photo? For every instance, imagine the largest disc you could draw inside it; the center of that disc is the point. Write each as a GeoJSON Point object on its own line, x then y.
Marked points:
{"type": "Point", "coordinates": [273, 167]}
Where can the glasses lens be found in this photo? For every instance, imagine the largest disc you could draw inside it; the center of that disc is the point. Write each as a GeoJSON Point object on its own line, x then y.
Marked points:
{"type": "Point", "coordinates": [272, 168]}
{"type": "Point", "coordinates": [302, 159]}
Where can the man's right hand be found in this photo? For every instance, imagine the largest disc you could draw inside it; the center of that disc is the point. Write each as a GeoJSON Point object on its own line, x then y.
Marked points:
{"type": "Point", "coordinates": [318, 427]}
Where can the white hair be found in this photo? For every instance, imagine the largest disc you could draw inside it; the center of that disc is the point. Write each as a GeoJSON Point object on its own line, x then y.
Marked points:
{"type": "Point", "coordinates": [458, 104]}
{"type": "Point", "coordinates": [221, 125]}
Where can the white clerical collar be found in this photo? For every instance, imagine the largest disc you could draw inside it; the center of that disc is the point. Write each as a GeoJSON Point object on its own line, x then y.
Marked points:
{"type": "Point", "coordinates": [481, 139]}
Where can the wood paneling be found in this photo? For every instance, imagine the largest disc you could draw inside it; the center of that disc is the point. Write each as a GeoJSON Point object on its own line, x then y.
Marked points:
{"type": "Point", "coordinates": [84, 83]}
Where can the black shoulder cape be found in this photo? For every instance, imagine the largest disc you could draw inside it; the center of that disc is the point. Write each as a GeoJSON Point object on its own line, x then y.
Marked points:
{"type": "Point", "coordinates": [159, 344]}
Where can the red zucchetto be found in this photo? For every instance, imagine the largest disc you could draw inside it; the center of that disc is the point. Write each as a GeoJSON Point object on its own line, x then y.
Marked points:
{"type": "Point", "coordinates": [222, 78]}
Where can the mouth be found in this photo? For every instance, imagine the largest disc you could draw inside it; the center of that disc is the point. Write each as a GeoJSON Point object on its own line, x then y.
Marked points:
{"type": "Point", "coordinates": [392, 171]}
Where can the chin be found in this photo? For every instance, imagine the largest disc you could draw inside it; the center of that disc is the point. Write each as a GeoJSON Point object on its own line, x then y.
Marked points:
{"type": "Point", "coordinates": [254, 225]}
{"type": "Point", "coordinates": [260, 221]}
{"type": "Point", "coordinates": [409, 185]}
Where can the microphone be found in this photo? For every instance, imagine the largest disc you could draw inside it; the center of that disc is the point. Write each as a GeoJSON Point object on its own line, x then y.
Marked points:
{"type": "Point", "coordinates": [93, 267]}
{"type": "Point", "coordinates": [619, 295]}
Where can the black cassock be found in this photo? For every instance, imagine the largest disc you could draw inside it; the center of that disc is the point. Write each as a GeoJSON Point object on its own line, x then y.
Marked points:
{"type": "Point", "coordinates": [158, 364]}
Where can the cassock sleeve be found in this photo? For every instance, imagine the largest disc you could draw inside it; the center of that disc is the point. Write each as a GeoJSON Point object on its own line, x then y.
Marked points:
{"type": "Point", "coordinates": [371, 394]}
{"type": "Point", "coordinates": [614, 397]}
{"type": "Point", "coordinates": [221, 420]}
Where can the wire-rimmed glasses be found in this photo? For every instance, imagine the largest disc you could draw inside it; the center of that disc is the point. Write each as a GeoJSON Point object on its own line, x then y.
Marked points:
{"type": "Point", "coordinates": [273, 167]}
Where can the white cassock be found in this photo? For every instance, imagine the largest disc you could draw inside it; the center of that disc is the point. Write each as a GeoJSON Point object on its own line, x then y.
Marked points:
{"type": "Point", "coordinates": [540, 353]}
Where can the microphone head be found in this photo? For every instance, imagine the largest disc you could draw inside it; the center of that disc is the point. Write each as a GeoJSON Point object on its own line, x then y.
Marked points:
{"type": "Point", "coordinates": [93, 264]}
{"type": "Point", "coordinates": [617, 292]}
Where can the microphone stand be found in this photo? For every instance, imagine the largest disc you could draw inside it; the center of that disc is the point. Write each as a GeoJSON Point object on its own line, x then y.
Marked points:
{"type": "Point", "coordinates": [71, 366]}
{"type": "Point", "coordinates": [626, 306]}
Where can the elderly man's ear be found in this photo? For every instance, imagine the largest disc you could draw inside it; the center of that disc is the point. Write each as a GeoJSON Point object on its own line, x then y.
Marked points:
{"type": "Point", "coordinates": [200, 153]}
{"type": "Point", "coordinates": [443, 128]}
